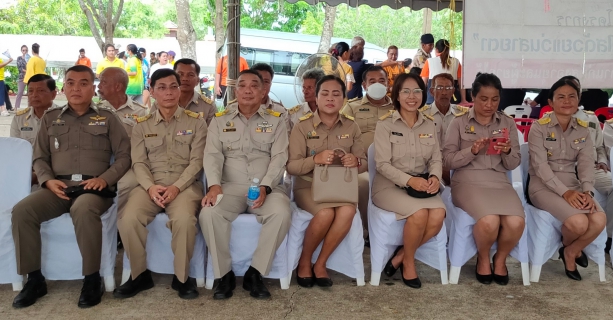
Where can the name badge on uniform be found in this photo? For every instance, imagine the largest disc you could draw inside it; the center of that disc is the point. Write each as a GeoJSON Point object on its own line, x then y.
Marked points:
{"type": "Point", "coordinates": [97, 123]}
{"type": "Point", "coordinates": [425, 135]}
{"type": "Point", "coordinates": [397, 134]}
{"type": "Point", "coordinates": [58, 122]}
{"type": "Point", "coordinates": [343, 136]}
{"type": "Point", "coordinates": [151, 135]}
{"type": "Point", "coordinates": [229, 129]}
{"type": "Point", "coordinates": [185, 132]}
{"type": "Point", "coordinates": [469, 129]}
{"type": "Point", "coordinates": [312, 135]}
{"type": "Point", "coordinates": [27, 129]}
{"type": "Point", "coordinates": [592, 125]}
{"type": "Point", "coordinates": [580, 140]}
{"type": "Point", "coordinates": [264, 124]}
{"type": "Point", "coordinates": [551, 136]}
{"type": "Point", "coordinates": [364, 109]}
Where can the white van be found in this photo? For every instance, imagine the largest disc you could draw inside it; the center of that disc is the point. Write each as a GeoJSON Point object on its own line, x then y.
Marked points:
{"type": "Point", "coordinates": [284, 52]}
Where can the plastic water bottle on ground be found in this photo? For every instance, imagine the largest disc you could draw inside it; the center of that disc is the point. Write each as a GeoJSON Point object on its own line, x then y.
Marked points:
{"type": "Point", "coordinates": [254, 192]}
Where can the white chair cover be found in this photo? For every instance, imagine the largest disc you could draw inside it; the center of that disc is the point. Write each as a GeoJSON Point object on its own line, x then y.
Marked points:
{"type": "Point", "coordinates": [522, 111]}
{"type": "Point", "coordinates": [15, 179]}
{"type": "Point", "coordinates": [346, 259]}
{"type": "Point", "coordinates": [160, 258]}
{"type": "Point", "coordinates": [544, 234]}
{"type": "Point", "coordinates": [244, 240]}
{"type": "Point", "coordinates": [386, 234]}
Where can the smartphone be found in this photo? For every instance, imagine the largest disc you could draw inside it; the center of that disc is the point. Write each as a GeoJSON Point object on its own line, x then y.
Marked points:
{"type": "Point", "coordinates": [494, 142]}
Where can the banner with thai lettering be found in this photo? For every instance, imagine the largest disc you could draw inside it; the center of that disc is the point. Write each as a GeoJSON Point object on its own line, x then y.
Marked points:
{"type": "Point", "coordinates": [533, 43]}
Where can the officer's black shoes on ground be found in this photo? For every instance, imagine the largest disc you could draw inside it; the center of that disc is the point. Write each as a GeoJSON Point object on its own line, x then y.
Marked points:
{"type": "Point", "coordinates": [133, 287]}
{"type": "Point", "coordinates": [187, 290]}
{"type": "Point", "coordinates": [224, 288]}
{"type": "Point", "coordinates": [34, 289]}
{"type": "Point", "coordinates": [92, 291]}
{"type": "Point", "coordinates": [607, 247]}
{"type": "Point", "coordinates": [254, 283]}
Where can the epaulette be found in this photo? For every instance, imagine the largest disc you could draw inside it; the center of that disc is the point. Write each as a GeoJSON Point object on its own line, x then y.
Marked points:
{"type": "Point", "coordinates": [462, 112]}
{"type": "Point", "coordinates": [144, 118]}
{"type": "Point", "coordinates": [305, 117]}
{"type": "Point", "coordinates": [548, 112]}
{"type": "Point", "coordinates": [54, 108]}
{"type": "Point", "coordinates": [139, 105]}
{"type": "Point", "coordinates": [221, 113]}
{"type": "Point", "coordinates": [424, 108]}
{"type": "Point", "coordinates": [610, 120]}
{"type": "Point", "coordinates": [582, 123]}
{"type": "Point", "coordinates": [463, 108]}
{"type": "Point", "coordinates": [588, 112]}
{"type": "Point", "coordinates": [24, 111]}
{"type": "Point", "coordinates": [206, 99]}
{"type": "Point", "coordinates": [387, 115]}
{"type": "Point", "coordinates": [348, 116]}
{"type": "Point", "coordinates": [273, 113]}
{"type": "Point", "coordinates": [352, 100]}
{"type": "Point", "coordinates": [294, 109]}
{"type": "Point", "coordinates": [544, 120]}
{"type": "Point", "coordinates": [232, 101]}
{"type": "Point", "coordinates": [427, 116]}
{"type": "Point", "coordinates": [107, 107]}
{"type": "Point", "coordinates": [192, 114]}
{"type": "Point", "coordinates": [504, 114]}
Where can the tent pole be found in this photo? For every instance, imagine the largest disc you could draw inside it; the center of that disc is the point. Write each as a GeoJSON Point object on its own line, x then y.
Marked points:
{"type": "Point", "coordinates": [234, 27]}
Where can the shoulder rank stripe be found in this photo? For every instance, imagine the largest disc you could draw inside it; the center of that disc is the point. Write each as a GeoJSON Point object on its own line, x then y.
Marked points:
{"type": "Point", "coordinates": [206, 99]}
{"type": "Point", "coordinates": [354, 99]}
{"type": "Point", "coordinates": [145, 118]}
{"type": "Point", "coordinates": [462, 112]}
{"type": "Point", "coordinates": [582, 123]}
{"type": "Point", "coordinates": [504, 114]}
{"type": "Point", "coordinates": [192, 114]}
{"type": "Point", "coordinates": [387, 115]}
{"type": "Point", "coordinates": [24, 111]}
{"type": "Point", "coordinates": [348, 116]}
{"type": "Point", "coordinates": [273, 113]}
{"type": "Point", "coordinates": [588, 112]}
{"type": "Point", "coordinates": [424, 108]}
{"type": "Point", "coordinates": [427, 116]}
{"type": "Point", "coordinates": [294, 109]}
{"type": "Point", "coordinates": [544, 120]}
{"type": "Point", "coordinates": [221, 113]}
{"type": "Point", "coordinates": [305, 117]}
{"type": "Point", "coordinates": [610, 120]}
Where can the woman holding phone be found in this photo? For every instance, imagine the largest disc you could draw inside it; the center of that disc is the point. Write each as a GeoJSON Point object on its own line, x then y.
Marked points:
{"type": "Point", "coordinates": [562, 174]}
{"type": "Point", "coordinates": [481, 146]}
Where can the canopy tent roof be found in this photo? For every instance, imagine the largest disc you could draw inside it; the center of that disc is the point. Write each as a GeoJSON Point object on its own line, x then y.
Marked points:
{"type": "Point", "coordinates": [435, 5]}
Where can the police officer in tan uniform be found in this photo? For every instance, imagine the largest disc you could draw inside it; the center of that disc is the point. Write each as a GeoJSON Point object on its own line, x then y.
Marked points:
{"type": "Point", "coordinates": [189, 71]}
{"type": "Point", "coordinates": [562, 174]}
{"type": "Point", "coordinates": [309, 81]}
{"type": "Point", "coordinates": [245, 142]}
{"type": "Point", "coordinates": [167, 150]}
{"type": "Point", "coordinates": [268, 74]}
{"type": "Point", "coordinates": [74, 147]}
{"type": "Point", "coordinates": [424, 53]}
{"type": "Point", "coordinates": [367, 112]}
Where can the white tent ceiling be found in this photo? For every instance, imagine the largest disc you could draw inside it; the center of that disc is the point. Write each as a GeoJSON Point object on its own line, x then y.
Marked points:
{"type": "Point", "coordinates": [435, 5]}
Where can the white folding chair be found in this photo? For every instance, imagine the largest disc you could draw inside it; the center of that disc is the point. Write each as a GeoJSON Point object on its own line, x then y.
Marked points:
{"type": "Point", "coordinates": [462, 244]}
{"type": "Point", "coordinates": [15, 179]}
{"type": "Point", "coordinates": [544, 233]}
{"type": "Point", "coordinates": [386, 234]}
{"type": "Point", "coordinates": [522, 111]}
{"type": "Point", "coordinates": [160, 258]}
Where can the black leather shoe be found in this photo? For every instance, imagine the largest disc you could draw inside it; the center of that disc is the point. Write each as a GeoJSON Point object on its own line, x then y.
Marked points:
{"type": "Point", "coordinates": [307, 282]}
{"type": "Point", "coordinates": [413, 283]}
{"type": "Point", "coordinates": [133, 286]}
{"type": "Point", "coordinates": [254, 283]}
{"type": "Point", "coordinates": [34, 289]}
{"type": "Point", "coordinates": [575, 275]}
{"type": "Point", "coordinates": [483, 278]}
{"type": "Point", "coordinates": [187, 290]}
{"type": "Point", "coordinates": [225, 286]}
{"type": "Point", "coordinates": [501, 280]}
{"type": "Point", "coordinates": [389, 269]}
{"type": "Point", "coordinates": [607, 247]}
{"type": "Point", "coordinates": [322, 282]}
{"type": "Point", "coordinates": [582, 260]}
{"type": "Point", "coordinates": [91, 293]}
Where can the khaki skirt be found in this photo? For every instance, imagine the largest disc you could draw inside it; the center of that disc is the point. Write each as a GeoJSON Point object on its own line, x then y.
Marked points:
{"type": "Point", "coordinates": [545, 199]}
{"type": "Point", "coordinates": [485, 192]}
{"type": "Point", "coordinates": [391, 198]}
{"type": "Point", "coordinates": [303, 196]}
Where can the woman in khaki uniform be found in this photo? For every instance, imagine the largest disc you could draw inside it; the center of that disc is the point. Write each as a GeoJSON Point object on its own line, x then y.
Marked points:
{"type": "Point", "coordinates": [479, 184]}
{"type": "Point", "coordinates": [558, 142]}
{"type": "Point", "coordinates": [312, 142]}
{"type": "Point", "coordinates": [406, 147]}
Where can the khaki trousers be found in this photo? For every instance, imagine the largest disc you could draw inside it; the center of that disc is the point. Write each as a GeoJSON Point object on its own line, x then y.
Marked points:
{"type": "Point", "coordinates": [363, 196]}
{"type": "Point", "coordinates": [216, 225]}
{"type": "Point", "coordinates": [125, 185]}
{"type": "Point", "coordinates": [44, 205]}
{"type": "Point", "coordinates": [141, 210]}
{"type": "Point", "coordinates": [604, 186]}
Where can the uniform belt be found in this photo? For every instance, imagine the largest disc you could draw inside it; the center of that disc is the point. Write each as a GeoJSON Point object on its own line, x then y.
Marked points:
{"type": "Point", "coordinates": [74, 177]}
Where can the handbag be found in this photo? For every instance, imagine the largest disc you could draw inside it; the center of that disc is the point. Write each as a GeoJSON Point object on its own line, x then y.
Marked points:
{"type": "Point", "coordinates": [419, 194]}
{"type": "Point", "coordinates": [75, 191]}
{"type": "Point", "coordinates": [335, 183]}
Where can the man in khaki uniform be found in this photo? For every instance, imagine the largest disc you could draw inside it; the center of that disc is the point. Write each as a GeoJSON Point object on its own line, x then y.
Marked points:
{"type": "Point", "coordinates": [267, 74]}
{"type": "Point", "coordinates": [366, 112]}
{"type": "Point", "coordinates": [167, 149]}
{"type": "Point", "coordinates": [424, 53]}
{"type": "Point", "coordinates": [244, 142]}
{"type": "Point", "coordinates": [189, 71]}
{"type": "Point", "coordinates": [74, 147]}
{"type": "Point", "coordinates": [309, 82]}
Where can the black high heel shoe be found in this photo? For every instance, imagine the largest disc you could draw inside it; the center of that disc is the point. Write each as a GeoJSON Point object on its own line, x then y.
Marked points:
{"type": "Point", "coordinates": [389, 269]}
{"type": "Point", "coordinates": [322, 282]}
{"type": "Point", "coordinates": [501, 280]}
{"type": "Point", "coordinates": [413, 283]}
{"type": "Point", "coordinates": [582, 260]}
{"type": "Point", "coordinates": [571, 274]}
{"type": "Point", "coordinates": [483, 278]}
{"type": "Point", "coordinates": [307, 282]}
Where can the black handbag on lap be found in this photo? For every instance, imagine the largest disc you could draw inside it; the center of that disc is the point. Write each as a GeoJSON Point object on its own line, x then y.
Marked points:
{"type": "Point", "coordinates": [75, 191]}
{"type": "Point", "coordinates": [419, 194]}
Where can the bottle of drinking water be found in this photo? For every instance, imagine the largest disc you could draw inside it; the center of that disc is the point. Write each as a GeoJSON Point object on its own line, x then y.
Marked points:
{"type": "Point", "coordinates": [254, 192]}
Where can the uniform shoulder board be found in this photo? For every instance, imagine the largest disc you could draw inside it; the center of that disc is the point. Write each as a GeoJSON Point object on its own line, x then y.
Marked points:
{"type": "Point", "coordinates": [144, 118]}
{"type": "Point", "coordinates": [24, 111]}
{"type": "Point", "coordinates": [348, 116]}
{"type": "Point", "coordinates": [548, 113]}
{"type": "Point", "coordinates": [582, 123]}
{"type": "Point", "coordinates": [588, 112]}
{"type": "Point", "coordinates": [504, 114]}
{"type": "Point", "coordinates": [192, 114]}
{"type": "Point", "coordinates": [424, 108]}
{"type": "Point", "coordinates": [54, 108]}
{"type": "Point", "coordinates": [305, 117]}
{"type": "Point", "coordinates": [427, 116]}
{"type": "Point", "coordinates": [387, 115]}
{"type": "Point", "coordinates": [354, 99]}
{"type": "Point", "coordinates": [232, 101]}
{"type": "Point", "coordinates": [462, 112]}
{"type": "Point", "coordinates": [294, 109]}
{"type": "Point", "coordinates": [544, 120]}
{"type": "Point", "coordinates": [206, 99]}
{"type": "Point", "coordinates": [139, 105]}
{"type": "Point", "coordinates": [105, 106]}
{"type": "Point", "coordinates": [610, 121]}
{"type": "Point", "coordinates": [273, 113]}
{"type": "Point", "coordinates": [221, 113]}
{"type": "Point", "coordinates": [463, 108]}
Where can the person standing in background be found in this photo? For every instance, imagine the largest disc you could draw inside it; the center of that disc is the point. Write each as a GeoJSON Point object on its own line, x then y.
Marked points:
{"type": "Point", "coordinates": [134, 69]}
{"type": "Point", "coordinates": [171, 57]}
{"type": "Point", "coordinates": [359, 65]}
{"type": "Point", "coordinates": [221, 76]}
{"type": "Point", "coordinates": [152, 59]}
{"type": "Point", "coordinates": [424, 53]}
{"type": "Point", "coordinates": [146, 67]}
{"type": "Point", "coordinates": [83, 60]}
{"type": "Point", "coordinates": [109, 61]}
{"type": "Point", "coordinates": [162, 63]}
{"type": "Point", "coordinates": [36, 64]}
{"type": "Point", "coordinates": [2, 87]}
{"type": "Point", "coordinates": [392, 66]}
{"type": "Point", "coordinates": [22, 61]}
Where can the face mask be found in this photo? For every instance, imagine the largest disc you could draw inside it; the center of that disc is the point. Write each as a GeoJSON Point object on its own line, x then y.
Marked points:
{"type": "Point", "coordinates": [376, 91]}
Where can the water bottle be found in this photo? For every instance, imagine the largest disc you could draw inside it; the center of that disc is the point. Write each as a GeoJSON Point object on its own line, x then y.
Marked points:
{"type": "Point", "coordinates": [254, 192]}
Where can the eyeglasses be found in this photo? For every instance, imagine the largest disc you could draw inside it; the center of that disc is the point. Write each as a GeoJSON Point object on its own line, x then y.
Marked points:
{"type": "Point", "coordinates": [416, 92]}
{"type": "Point", "coordinates": [441, 88]}
{"type": "Point", "coordinates": [164, 88]}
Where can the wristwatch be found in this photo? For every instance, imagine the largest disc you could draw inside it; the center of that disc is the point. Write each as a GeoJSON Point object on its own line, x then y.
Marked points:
{"type": "Point", "coordinates": [590, 193]}
{"type": "Point", "coordinates": [268, 189]}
